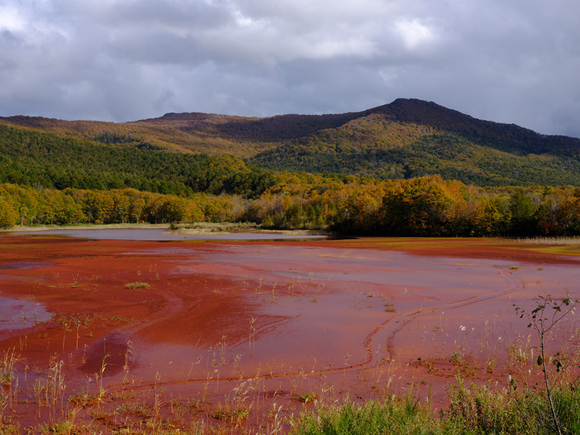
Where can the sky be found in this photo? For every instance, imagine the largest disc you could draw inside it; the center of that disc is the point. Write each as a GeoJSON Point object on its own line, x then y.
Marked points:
{"type": "Point", "coordinates": [510, 61]}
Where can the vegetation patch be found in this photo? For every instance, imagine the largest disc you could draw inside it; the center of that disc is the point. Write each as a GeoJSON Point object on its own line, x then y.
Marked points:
{"type": "Point", "coordinates": [137, 285]}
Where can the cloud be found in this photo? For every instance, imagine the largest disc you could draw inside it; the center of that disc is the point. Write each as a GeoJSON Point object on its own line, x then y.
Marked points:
{"type": "Point", "coordinates": [123, 60]}
{"type": "Point", "coordinates": [413, 33]}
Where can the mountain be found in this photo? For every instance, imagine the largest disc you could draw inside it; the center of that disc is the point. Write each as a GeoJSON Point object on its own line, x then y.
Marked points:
{"type": "Point", "coordinates": [404, 139]}
{"type": "Point", "coordinates": [411, 138]}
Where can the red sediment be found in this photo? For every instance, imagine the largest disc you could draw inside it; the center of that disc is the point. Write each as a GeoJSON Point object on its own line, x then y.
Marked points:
{"type": "Point", "coordinates": [352, 314]}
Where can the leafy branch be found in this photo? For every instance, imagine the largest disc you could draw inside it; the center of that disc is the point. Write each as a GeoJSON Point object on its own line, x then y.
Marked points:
{"type": "Point", "coordinates": [547, 314]}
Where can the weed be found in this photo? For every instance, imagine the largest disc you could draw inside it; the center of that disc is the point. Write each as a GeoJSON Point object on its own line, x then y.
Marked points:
{"type": "Point", "coordinates": [310, 396]}
{"type": "Point", "coordinates": [8, 367]}
{"type": "Point", "coordinates": [480, 410]}
{"type": "Point", "coordinates": [231, 415]}
{"type": "Point", "coordinates": [8, 380]}
{"type": "Point", "coordinates": [389, 307]}
{"type": "Point", "coordinates": [64, 427]}
{"type": "Point", "coordinates": [9, 428]}
{"type": "Point", "coordinates": [401, 415]}
{"type": "Point", "coordinates": [543, 318]}
{"type": "Point", "coordinates": [456, 359]}
{"type": "Point", "coordinates": [84, 399]}
{"type": "Point", "coordinates": [135, 409]}
{"type": "Point", "coordinates": [137, 285]}
{"type": "Point", "coordinates": [49, 390]}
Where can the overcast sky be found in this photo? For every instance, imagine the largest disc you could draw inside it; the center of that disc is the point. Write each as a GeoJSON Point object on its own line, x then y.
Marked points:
{"type": "Point", "coordinates": [513, 61]}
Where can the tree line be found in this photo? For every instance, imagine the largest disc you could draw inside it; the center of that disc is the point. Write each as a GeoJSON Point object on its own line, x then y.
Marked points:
{"type": "Point", "coordinates": [426, 206]}
{"type": "Point", "coordinates": [23, 205]}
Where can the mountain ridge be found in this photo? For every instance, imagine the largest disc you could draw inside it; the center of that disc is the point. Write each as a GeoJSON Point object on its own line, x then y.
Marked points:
{"type": "Point", "coordinates": [410, 110]}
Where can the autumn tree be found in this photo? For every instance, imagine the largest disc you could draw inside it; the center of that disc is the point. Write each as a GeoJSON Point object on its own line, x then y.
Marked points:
{"type": "Point", "coordinates": [8, 216]}
{"type": "Point", "coordinates": [418, 207]}
{"type": "Point", "coordinates": [490, 216]}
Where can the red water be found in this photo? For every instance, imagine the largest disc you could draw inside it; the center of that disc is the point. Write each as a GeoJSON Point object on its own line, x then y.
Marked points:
{"type": "Point", "coordinates": [275, 319]}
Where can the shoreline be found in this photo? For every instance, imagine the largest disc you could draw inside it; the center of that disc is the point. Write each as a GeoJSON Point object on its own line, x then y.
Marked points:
{"type": "Point", "coordinates": [209, 228]}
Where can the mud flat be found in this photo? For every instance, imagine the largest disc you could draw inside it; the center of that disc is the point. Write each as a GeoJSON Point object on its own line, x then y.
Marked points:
{"type": "Point", "coordinates": [240, 334]}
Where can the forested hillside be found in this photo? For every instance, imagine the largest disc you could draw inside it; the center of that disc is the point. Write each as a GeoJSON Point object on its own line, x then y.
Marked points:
{"type": "Point", "coordinates": [49, 160]}
{"type": "Point", "coordinates": [190, 132]}
{"type": "Point", "coordinates": [401, 140]}
{"type": "Point", "coordinates": [412, 138]}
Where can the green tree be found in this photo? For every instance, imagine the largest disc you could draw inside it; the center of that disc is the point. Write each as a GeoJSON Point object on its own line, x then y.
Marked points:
{"type": "Point", "coordinates": [522, 210]}
{"type": "Point", "coordinates": [490, 216]}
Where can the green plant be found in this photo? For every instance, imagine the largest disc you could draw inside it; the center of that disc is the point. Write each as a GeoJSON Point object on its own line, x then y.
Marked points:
{"type": "Point", "coordinates": [137, 284]}
{"type": "Point", "coordinates": [235, 415]}
{"type": "Point", "coordinates": [50, 389]}
{"type": "Point", "coordinates": [135, 409]}
{"type": "Point", "coordinates": [390, 307]}
{"type": "Point", "coordinates": [8, 363]}
{"type": "Point", "coordinates": [401, 414]}
{"type": "Point", "coordinates": [63, 427]}
{"type": "Point", "coordinates": [478, 409]}
{"type": "Point", "coordinates": [84, 398]}
{"type": "Point", "coordinates": [9, 428]}
{"type": "Point", "coordinates": [456, 359]}
{"type": "Point", "coordinates": [309, 396]}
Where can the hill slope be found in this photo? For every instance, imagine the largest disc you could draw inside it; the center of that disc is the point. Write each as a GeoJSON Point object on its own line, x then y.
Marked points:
{"type": "Point", "coordinates": [41, 159]}
{"type": "Point", "coordinates": [191, 132]}
{"type": "Point", "coordinates": [403, 139]}
{"type": "Point", "coordinates": [411, 138]}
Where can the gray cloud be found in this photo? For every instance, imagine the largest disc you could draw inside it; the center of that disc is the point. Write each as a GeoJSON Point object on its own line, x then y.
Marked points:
{"type": "Point", "coordinates": [509, 61]}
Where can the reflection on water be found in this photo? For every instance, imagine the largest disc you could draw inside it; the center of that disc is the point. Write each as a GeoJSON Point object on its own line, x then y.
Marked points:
{"type": "Point", "coordinates": [160, 234]}
{"type": "Point", "coordinates": [23, 265]}
{"type": "Point", "coordinates": [21, 313]}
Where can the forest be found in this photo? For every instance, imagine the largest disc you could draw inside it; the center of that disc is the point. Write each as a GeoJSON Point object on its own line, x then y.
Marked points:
{"type": "Point", "coordinates": [426, 206]}
{"type": "Point", "coordinates": [48, 160]}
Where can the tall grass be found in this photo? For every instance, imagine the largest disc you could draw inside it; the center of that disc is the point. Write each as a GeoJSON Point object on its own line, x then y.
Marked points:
{"type": "Point", "coordinates": [472, 410]}
{"type": "Point", "coordinates": [397, 415]}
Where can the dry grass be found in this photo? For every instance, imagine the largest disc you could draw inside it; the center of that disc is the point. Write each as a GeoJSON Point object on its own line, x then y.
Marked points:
{"type": "Point", "coordinates": [550, 241]}
{"type": "Point", "coordinates": [228, 227]}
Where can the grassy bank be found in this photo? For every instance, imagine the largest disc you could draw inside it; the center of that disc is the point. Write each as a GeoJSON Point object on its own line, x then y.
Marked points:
{"type": "Point", "coordinates": [472, 410]}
